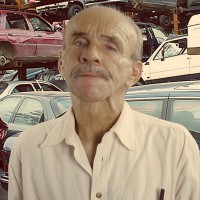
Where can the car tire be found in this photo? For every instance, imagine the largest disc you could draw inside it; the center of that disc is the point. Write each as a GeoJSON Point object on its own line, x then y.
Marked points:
{"type": "Point", "coordinates": [3, 60]}
{"type": "Point", "coordinates": [7, 53]}
{"type": "Point", "coordinates": [73, 9]}
{"type": "Point", "coordinates": [165, 20]}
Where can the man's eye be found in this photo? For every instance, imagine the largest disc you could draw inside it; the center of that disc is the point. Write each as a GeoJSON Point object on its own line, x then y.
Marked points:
{"type": "Point", "coordinates": [80, 42]}
{"type": "Point", "coordinates": [111, 47]}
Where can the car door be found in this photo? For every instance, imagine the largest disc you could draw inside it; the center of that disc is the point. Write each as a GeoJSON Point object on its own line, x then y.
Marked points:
{"type": "Point", "coordinates": [20, 35]}
{"type": "Point", "coordinates": [7, 107]}
{"type": "Point", "coordinates": [49, 42]}
{"type": "Point", "coordinates": [171, 63]}
{"type": "Point", "coordinates": [30, 112]}
{"type": "Point", "coordinates": [194, 61]}
{"type": "Point", "coordinates": [186, 111]}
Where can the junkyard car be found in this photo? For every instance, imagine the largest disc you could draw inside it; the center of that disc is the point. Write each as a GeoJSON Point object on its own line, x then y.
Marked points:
{"type": "Point", "coordinates": [10, 87]}
{"type": "Point", "coordinates": [23, 110]}
{"type": "Point", "coordinates": [171, 62]}
{"type": "Point", "coordinates": [177, 102]}
{"type": "Point", "coordinates": [3, 132]}
{"type": "Point", "coordinates": [26, 37]}
{"type": "Point", "coordinates": [3, 129]}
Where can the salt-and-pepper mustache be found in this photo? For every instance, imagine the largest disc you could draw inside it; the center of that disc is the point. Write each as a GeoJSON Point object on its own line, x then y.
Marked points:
{"type": "Point", "coordinates": [80, 69]}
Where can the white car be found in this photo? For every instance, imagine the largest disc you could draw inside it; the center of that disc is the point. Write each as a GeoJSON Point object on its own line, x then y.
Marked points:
{"type": "Point", "coordinates": [10, 87]}
{"type": "Point", "coordinates": [170, 62]}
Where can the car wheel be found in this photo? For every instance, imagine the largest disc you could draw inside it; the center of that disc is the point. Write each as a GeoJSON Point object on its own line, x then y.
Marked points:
{"type": "Point", "coordinates": [7, 53]}
{"type": "Point", "coordinates": [73, 9]}
{"type": "Point", "coordinates": [3, 60]}
{"type": "Point", "coordinates": [165, 20]}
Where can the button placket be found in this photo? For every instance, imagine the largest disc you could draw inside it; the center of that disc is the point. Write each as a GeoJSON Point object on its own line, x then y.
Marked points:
{"type": "Point", "coordinates": [98, 174]}
{"type": "Point", "coordinates": [100, 170]}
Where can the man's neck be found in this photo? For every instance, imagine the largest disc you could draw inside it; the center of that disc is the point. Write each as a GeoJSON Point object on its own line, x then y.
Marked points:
{"type": "Point", "coordinates": [93, 120]}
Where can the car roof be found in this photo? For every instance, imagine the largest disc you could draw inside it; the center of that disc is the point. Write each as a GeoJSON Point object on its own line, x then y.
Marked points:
{"type": "Point", "coordinates": [17, 82]}
{"type": "Point", "coordinates": [181, 89]}
{"type": "Point", "coordinates": [18, 11]}
{"type": "Point", "coordinates": [52, 94]}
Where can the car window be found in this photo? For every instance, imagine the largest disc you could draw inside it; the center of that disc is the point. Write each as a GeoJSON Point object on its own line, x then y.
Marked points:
{"type": "Point", "coordinates": [187, 113]}
{"type": "Point", "coordinates": [16, 21]}
{"type": "Point", "coordinates": [39, 24]}
{"type": "Point", "coordinates": [23, 88]}
{"type": "Point", "coordinates": [159, 34]}
{"type": "Point", "coordinates": [48, 87]}
{"type": "Point", "coordinates": [7, 107]}
{"type": "Point", "coordinates": [3, 86]}
{"type": "Point", "coordinates": [30, 112]}
{"type": "Point", "coordinates": [37, 86]}
{"type": "Point", "coordinates": [60, 105]}
{"type": "Point", "coordinates": [45, 87]}
{"type": "Point", "coordinates": [172, 48]}
{"type": "Point", "coordinates": [150, 107]}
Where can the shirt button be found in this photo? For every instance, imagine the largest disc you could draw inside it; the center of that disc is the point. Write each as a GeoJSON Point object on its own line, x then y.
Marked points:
{"type": "Point", "coordinates": [98, 195]}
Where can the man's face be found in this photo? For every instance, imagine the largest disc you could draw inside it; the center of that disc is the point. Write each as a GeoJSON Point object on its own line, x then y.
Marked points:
{"type": "Point", "coordinates": [98, 61]}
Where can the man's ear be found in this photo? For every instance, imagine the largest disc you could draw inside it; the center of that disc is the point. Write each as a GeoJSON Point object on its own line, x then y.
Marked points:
{"type": "Point", "coordinates": [136, 74]}
{"type": "Point", "coordinates": [60, 64]}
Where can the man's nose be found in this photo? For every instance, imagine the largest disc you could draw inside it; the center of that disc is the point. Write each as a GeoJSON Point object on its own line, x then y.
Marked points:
{"type": "Point", "coordinates": [91, 55]}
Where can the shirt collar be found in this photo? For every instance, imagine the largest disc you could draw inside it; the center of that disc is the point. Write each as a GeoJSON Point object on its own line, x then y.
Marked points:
{"type": "Point", "coordinates": [65, 126]}
{"type": "Point", "coordinates": [124, 127]}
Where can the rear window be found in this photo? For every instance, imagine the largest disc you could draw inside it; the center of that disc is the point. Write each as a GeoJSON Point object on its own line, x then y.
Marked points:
{"type": "Point", "coordinates": [152, 107]}
{"type": "Point", "coordinates": [16, 21]}
{"type": "Point", "coordinates": [45, 87]}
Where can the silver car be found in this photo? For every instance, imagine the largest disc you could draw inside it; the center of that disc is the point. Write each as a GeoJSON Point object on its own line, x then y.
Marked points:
{"type": "Point", "coordinates": [10, 87]}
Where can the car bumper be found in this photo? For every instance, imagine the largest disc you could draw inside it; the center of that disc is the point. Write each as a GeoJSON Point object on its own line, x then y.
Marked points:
{"type": "Point", "coordinates": [4, 181]}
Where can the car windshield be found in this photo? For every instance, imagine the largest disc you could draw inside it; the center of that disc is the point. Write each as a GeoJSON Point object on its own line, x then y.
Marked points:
{"type": "Point", "coordinates": [3, 86]}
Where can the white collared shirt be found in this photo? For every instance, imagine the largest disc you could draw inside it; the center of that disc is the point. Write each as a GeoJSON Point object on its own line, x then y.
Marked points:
{"type": "Point", "coordinates": [138, 157]}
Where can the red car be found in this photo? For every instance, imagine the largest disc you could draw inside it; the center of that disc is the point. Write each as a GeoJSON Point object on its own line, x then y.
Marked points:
{"type": "Point", "coordinates": [3, 129]}
{"type": "Point", "coordinates": [28, 38]}
{"type": "Point", "coordinates": [3, 132]}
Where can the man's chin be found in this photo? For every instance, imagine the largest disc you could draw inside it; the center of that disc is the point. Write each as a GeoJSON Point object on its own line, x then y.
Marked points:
{"type": "Point", "coordinates": [89, 94]}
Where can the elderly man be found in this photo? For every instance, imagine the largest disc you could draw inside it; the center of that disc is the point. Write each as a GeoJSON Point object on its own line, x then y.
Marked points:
{"type": "Point", "coordinates": [101, 148]}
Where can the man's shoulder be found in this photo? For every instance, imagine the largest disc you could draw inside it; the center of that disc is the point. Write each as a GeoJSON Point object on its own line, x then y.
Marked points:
{"type": "Point", "coordinates": [158, 125]}
{"type": "Point", "coordinates": [159, 128]}
{"type": "Point", "coordinates": [39, 132]}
